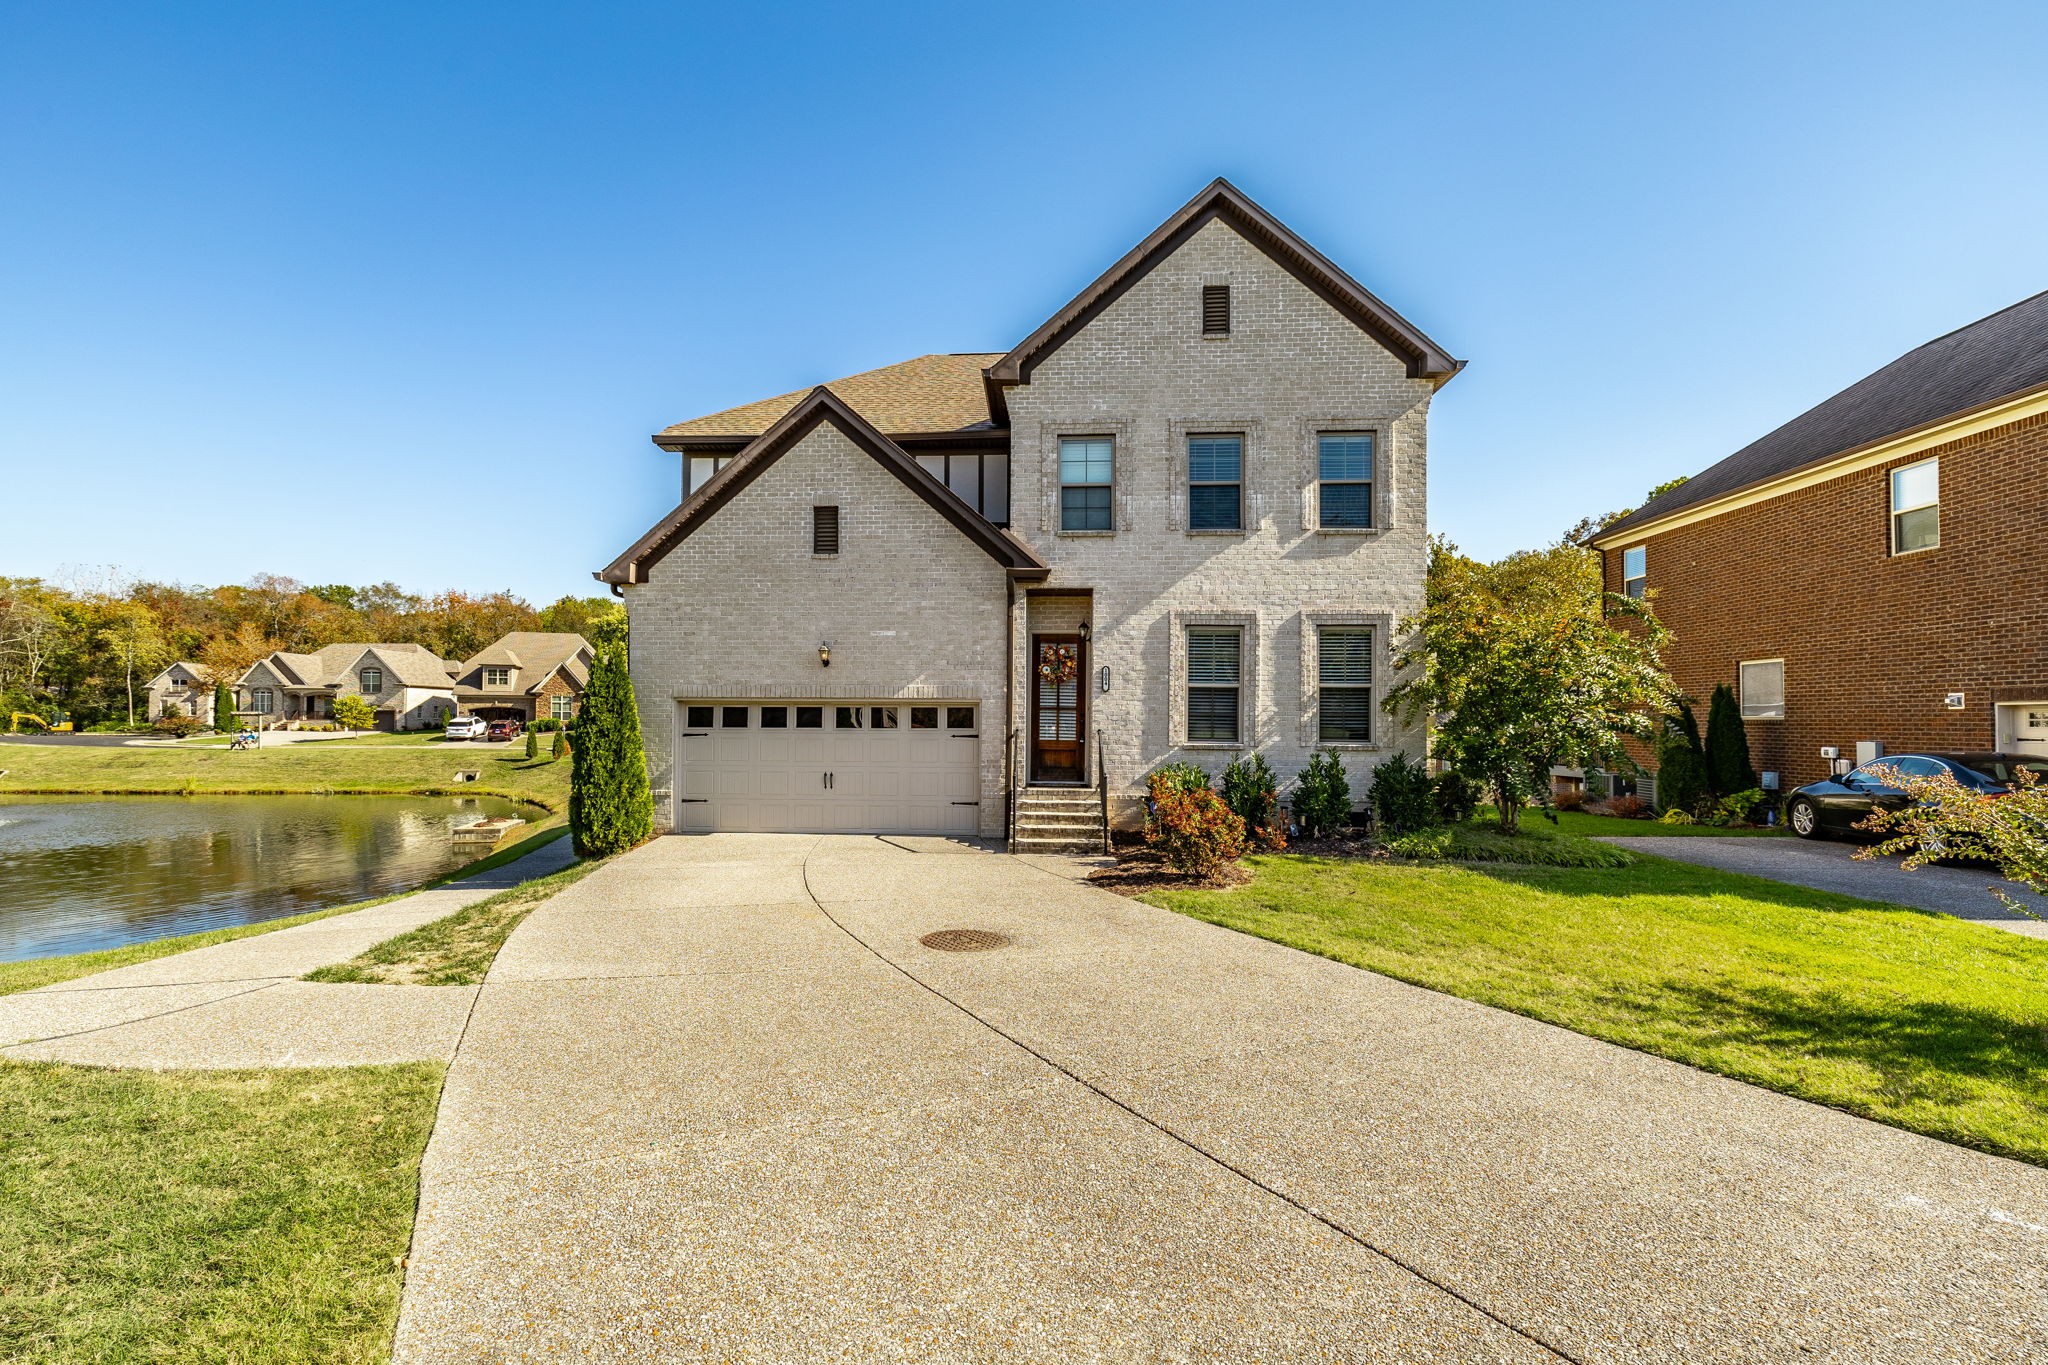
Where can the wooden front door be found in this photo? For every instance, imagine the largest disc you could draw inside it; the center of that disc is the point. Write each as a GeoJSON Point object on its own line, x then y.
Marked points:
{"type": "Point", "coordinates": [1058, 712]}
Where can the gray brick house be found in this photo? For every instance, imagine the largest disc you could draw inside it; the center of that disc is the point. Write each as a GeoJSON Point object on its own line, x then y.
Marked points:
{"type": "Point", "coordinates": [987, 594]}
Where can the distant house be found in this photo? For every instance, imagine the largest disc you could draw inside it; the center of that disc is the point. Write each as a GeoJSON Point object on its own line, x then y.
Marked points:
{"type": "Point", "coordinates": [528, 675]}
{"type": "Point", "coordinates": [183, 685]}
{"type": "Point", "coordinates": [1864, 575]}
{"type": "Point", "coordinates": [408, 686]}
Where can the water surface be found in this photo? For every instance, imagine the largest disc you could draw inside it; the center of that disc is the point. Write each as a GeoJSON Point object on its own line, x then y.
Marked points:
{"type": "Point", "coordinates": [79, 873]}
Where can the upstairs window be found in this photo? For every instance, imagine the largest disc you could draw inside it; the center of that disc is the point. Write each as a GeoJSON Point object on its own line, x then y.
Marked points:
{"type": "Point", "coordinates": [1761, 686]}
{"type": "Point", "coordinates": [1635, 573]}
{"type": "Point", "coordinates": [1344, 684]}
{"type": "Point", "coordinates": [1087, 467]}
{"type": "Point", "coordinates": [1344, 475]}
{"type": "Point", "coordinates": [372, 681]}
{"type": "Point", "coordinates": [824, 530]}
{"type": "Point", "coordinates": [1215, 310]}
{"type": "Point", "coordinates": [980, 478]}
{"type": "Point", "coordinates": [702, 467]}
{"type": "Point", "coordinates": [1214, 657]}
{"type": "Point", "coordinates": [1916, 507]}
{"type": "Point", "coordinates": [1215, 483]}
{"type": "Point", "coordinates": [497, 677]}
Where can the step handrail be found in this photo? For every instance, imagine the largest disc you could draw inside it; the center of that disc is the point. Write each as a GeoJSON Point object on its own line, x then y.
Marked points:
{"type": "Point", "coordinates": [1102, 786]}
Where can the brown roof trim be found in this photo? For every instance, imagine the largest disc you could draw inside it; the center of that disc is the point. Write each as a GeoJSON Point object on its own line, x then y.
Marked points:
{"type": "Point", "coordinates": [973, 436]}
{"type": "Point", "coordinates": [1221, 199]}
{"type": "Point", "coordinates": [820, 406]}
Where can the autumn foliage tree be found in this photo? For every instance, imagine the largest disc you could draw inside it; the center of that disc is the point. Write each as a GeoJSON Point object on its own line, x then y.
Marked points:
{"type": "Point", "coordinates": [1527, 664]}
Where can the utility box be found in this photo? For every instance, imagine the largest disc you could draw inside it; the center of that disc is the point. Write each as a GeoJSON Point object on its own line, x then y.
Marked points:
{"type": "Point", "coordinates": [1869, 751]}
{"type": "Point", "coordinates": [1767, 781]}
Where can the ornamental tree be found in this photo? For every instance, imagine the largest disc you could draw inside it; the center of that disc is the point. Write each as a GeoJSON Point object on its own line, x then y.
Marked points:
{"type": "Point", "coordinates": [1527, 664]}
{"type": "Point", "coordinates": [610, 807]}
{"type": "Point", "coordinates": [223, 708]}
{"type": "Point", "coordinates": [353, 713]}
{"type": "Point", "coordinates": [1729, 769]}
{"type": "Point", "coordinates": [1945, 819]}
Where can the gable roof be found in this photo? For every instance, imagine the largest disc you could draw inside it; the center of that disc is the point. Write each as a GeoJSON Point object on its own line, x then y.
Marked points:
{"type": "Point", "coordinates": [191, 671]}
{"type": "Point", "coordinates": [821, 405]}
{"type": "Point", "coordinates": [1222, 200]}
{"type": "Point", "coordinates": [932, 394]}
{"type": "Point", "coordinates": [409, 665]}
{"type": "Point", "coordinates": [1993, 359]}
{"type": "Point", "coordinates": [535, 653]}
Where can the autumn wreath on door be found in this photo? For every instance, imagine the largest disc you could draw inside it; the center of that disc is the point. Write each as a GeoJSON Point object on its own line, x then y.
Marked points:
{"type": "Point", "coordinates": [1058, 664]}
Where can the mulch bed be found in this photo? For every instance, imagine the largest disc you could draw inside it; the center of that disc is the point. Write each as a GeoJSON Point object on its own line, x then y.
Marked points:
{"type": "Point", "coordinates": [1139, 870]}
{"type": "Point", "coordinates": [1353, 845]}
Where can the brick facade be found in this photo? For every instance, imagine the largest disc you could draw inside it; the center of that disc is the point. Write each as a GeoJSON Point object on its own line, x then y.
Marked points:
{"type": "Point", "coordinates": [1873, 642]}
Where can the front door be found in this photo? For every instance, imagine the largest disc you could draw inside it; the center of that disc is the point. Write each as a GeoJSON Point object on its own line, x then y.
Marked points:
{"type": "Point", "coordinates": [1057, 718]}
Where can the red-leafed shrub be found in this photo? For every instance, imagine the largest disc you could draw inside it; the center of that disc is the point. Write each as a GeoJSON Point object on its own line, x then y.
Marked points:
{"type": "Point", "coordinates": [1627, 807]}
{"type": "Point", "coordinates": [1192, 829]}
{"type": "Point", "coordinates": [1566, 797]}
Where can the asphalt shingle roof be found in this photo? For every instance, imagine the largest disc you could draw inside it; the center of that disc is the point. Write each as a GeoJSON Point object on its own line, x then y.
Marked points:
{"type": "Point", "coordinates": [1992, 358]}
{"type": "Point", "coordinates": [933, 393]}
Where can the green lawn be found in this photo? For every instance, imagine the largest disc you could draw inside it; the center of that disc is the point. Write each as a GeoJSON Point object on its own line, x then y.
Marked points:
{"type": "Point", "coordinates": [47, 971]}
{"type": "Point", "coordinates": [1914, 1019]}
{"type": "Point", "coordinates": [1578, 822]}
{"type": "Point", "coordinates": [240, 1216]}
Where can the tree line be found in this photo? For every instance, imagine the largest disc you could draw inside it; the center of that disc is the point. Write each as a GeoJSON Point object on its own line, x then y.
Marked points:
{"type": "Point", "coordinates": [89, 650]}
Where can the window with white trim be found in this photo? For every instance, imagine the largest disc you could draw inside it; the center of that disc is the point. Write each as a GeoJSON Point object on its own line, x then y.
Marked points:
{"type": "Point", "coordinates": [561, 706]}
{"type": "Point", "coordinates": [1916, 507]}
{"type": "Point", "coordinates": [1344, 465]}
{"type": "Point", "coordinates": [1087, 472]}
{"type": "Point", "coordinates": [372, 681]}
{"type": "Point", "coordinates": [1215, 662]}
{"type": "Point", "coordinates": [702, 467]}
{"type": "Point", "coordinates": [1215, 483]}
{"type": "Point", "coordinates": [497, 677]}
{"type": "Point", "coordinates": [1635, 574]}
{"type": "Point", "coordinates": [1344, 684]}
{"type": "Point", "coordinates": [1760, 683]}
{"type": "Point", "coordinates": [259, 700]}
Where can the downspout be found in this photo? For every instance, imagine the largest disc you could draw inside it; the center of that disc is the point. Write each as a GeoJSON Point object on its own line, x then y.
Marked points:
{"type": "Point", "coordinates": [1009, 715]}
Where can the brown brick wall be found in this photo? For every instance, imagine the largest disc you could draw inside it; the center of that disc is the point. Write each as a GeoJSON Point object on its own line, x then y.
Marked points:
{"type": "Point", "coordinates": [1872, 642]}
{"type": "Point", "coordinates": [555, 686]}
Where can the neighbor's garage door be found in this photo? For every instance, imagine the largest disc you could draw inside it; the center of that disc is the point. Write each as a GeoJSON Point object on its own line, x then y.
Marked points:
{"type": "Point", "coordinates": [829, 767]}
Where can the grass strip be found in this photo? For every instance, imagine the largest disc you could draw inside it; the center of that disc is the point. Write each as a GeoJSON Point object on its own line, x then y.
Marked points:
{"type": "Point", "coordinates": [48, 971]}
{"type": "Point", "coordinates": [1919, 1020]}
{"type": "Point", "coordinates": [458, 949]}
{"type": "Point", "coordinates": [240, 1216]}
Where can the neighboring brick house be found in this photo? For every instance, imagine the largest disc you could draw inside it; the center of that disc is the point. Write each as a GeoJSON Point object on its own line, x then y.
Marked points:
{"type": "Point", "coordinates": [1178, 521]}
{"type": "Point", "coordinates": [528, 675]}
{"type": "Point", "coordinates": [408, 686]}
{"type": "Point", "coordinates": [1865, 574]}
{"type": "Point", "coordinates": [184, 686]}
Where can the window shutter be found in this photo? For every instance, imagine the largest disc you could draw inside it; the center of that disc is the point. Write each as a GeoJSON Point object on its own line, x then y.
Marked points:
{"type": "Point", "coordinates": [1215, 309]}
{"type": "Point", "coordinates": [1212, 658]}
{"type": "Point", "coordinates": [1344, 658]}
{"type": "Point", "coordinates": [824, 530]}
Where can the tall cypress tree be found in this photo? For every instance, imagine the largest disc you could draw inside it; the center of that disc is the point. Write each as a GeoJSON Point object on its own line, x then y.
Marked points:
{"type": "Point", "coordinates": [1729, 769]}
{"type": "Point", "coordinates": [223, 708]}
{"type": "Point", "coordinates": [1681, 765]}
{"type": "Point", "coordinates": [610, 806]}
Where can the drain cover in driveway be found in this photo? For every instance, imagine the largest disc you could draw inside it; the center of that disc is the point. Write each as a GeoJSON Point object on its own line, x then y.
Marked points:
{"type": "Point", "coordinates": [963, 940]}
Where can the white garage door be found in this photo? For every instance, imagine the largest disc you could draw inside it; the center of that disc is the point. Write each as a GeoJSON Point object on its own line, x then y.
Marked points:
{"type": "Point", "coordinates": [829, 767]}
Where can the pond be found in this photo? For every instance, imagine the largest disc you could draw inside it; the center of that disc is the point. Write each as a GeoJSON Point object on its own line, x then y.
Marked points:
{"type": "Point", "coordinates": [79, 873]}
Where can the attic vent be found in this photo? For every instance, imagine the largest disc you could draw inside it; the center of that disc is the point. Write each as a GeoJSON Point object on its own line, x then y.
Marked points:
{"type": "Point", "coordinates": [824, 530]}
{"type": "Point", "coordinates": [1215, 309]}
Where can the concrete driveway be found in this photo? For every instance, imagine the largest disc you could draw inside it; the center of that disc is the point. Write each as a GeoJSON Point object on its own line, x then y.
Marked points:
{"type": "Point", "coordinates": [1830, 866]}
{"type": "Point", "coordinates": [717, 1101]}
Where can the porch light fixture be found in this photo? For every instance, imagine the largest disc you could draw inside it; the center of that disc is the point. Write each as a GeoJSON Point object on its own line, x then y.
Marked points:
{"type": "Point", "coordinates": [825, 656]}
{"type": "Point", "coordinates": [1086, 632]}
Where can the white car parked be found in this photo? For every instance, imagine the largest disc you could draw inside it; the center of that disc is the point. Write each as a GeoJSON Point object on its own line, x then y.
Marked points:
{"type": "Point", "coordinates": [467, 727]}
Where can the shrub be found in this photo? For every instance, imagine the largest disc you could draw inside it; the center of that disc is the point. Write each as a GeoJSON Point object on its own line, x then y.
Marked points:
{"type": "Point", "coordinates": [1675, 817]}
{"type": "Point", "coordinates": [179, 726]}
{"type": "Point", "coordinates": [1253, 795]}
{"type": "Point", "coordinates": [1568, 798]}
{"type": "Point", "coordinates": [1736, 807]}
{"type": "Point", "coordinates": [1192, 829]}
{"type": "Point", "coordinates": [1456, 798]}
{"type": "Point", "coordinates": [560, 746]}
{"type": "Point", "coordinates": [547, 723]}
{"type": "Point", "coordinates": [1681, 766]}
{"type": "Point", "coordinates": [610, 806]}
{"type": "Point", "coordinates": [1625, 807]}
{"type": "Point", "coordinates": [1184, 777]}
{"type": "Point", "coordinates": [1322, 796]}
{"type": "Point", "coordinates": [223, 708]}
{"type": "Point", "coordinates": [1401, 796]}
{"type": "Point", "coordinates": [1948, 820]}
{"type": "Point", "coordinates": [533, 744]}
{"type": "Point", "coordinates": [1729, 770]}
{"type": "Point", "coordinates": [354, 713]}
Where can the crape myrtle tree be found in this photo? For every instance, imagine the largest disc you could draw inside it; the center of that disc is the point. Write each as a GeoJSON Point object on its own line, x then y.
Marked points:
{"type": "Point", "coordinates": [610, 806]}
{"type": "Point", "coordinates": [1527, 664]}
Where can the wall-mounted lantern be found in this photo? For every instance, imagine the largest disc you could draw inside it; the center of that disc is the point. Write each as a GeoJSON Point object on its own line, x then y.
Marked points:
{"type": "Point", "coordinates": [825, 656]}
{"type": "Point", "coordinates": [1086, 632]}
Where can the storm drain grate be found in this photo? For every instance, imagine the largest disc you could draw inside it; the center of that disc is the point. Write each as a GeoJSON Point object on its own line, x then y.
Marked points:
{"type": "Point", "coordinates": [964, 940]}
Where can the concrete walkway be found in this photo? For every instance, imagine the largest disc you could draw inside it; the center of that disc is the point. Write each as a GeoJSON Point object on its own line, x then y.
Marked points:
{"type": "Point", "coordinates": [717, 1102]}
{"type": "Point", "coordinates": [1829, 866]}
{"type": "Point", "coordinates": [241, 1004]}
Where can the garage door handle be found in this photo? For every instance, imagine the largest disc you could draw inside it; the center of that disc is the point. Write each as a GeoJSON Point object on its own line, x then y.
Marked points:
{"type": "Point", "coordinates": [967, 736]}
{"type": "Point", "coordinates": [692, 800]}
{"type": "Point", "coordinates": [967, 803]}
{"type": "Point", "coordinates": [696, 734]}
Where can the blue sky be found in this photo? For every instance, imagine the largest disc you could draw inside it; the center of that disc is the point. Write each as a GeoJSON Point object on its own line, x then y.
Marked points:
{"type": "Point", "coordinates": [362, 292]}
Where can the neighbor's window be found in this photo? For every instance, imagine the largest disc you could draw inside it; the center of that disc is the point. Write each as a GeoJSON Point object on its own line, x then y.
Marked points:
{"type": "Point", "coordinates": [1344, 684]}
{"type": "Point", "coordinates": [1761, 683]}
{"type": "Point", "coordinates": [562, 706]}
{"type": "Point", "coordinates": [1344, 480]}
{"type": "Point", "coordinates": [1213, 661]}
{"type": "Point", "coordinates": [1916, 507]}
{"type": "Point", "coordinates": [497, 677]}
{"type": "Point", "coordinates": [1086, 469]}
{"type": "Point", "coordinates": [372, 680]}
{"type": "Point", "coordinates": [1215, 483]}
{"type": "Point", "coordinates": [1635, 575]}
{"type": "Point", "coordinates": [259, 700]}
{"type": "Point", "coordinates": [702, 467]}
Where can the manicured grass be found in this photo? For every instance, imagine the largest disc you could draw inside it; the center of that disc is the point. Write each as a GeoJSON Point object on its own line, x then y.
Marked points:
{"type": "Point", "coordinates": [1480, 841]}
{"type": "Point", "coordinates": [207, 1216]}
{"type": "Point", "coordinates": [457, 950]}
{"type": "Point", "coordinates": [191, 769]}
{"type": "Point", "coordinates": [1919, 1020]}
{"type": "Point", "coordinates": [48, 971]}
{"type": "Point", "coordinates": [1591, 826]}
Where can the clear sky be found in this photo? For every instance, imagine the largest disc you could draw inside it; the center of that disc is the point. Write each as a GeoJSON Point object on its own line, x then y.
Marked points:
{"type": "Point", "coordinates": [359, 292]}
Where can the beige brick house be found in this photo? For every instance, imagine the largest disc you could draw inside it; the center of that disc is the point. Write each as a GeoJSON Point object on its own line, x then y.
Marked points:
{"type": "Point", "coordinates": [988, 593]}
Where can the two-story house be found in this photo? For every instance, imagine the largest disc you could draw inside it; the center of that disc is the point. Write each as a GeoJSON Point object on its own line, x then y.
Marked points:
{"type": "Point", "coordinates": [1180, 520]}
{"type": "Point", "coordinates": [525, 675]}
{"type": "Point", "coordinates": [180, 690]}
{"type": "Point", "coordinates": [1864, 575]}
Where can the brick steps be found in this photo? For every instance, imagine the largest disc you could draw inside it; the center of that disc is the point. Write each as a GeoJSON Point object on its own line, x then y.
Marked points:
{"type": "Point", "coordinates": [1058, 820]}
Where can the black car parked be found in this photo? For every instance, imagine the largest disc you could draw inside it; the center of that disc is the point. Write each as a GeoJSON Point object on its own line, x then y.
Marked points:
{"type": "Point", "coordinates": [1834, 805]}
